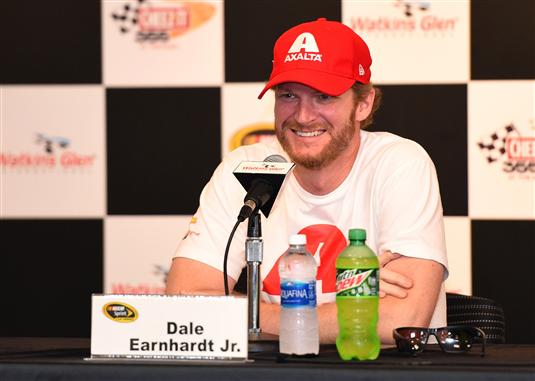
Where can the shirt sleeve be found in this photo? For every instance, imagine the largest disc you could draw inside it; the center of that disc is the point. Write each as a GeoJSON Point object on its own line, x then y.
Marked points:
{"type": "Point", "coordinates": [211, 225]}
{"type": "Point", "coordinates": [410, 218]}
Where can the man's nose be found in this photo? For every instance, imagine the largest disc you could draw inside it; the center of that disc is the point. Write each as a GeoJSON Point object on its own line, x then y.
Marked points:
{"type": "Point", "coordinates": [305, 113]}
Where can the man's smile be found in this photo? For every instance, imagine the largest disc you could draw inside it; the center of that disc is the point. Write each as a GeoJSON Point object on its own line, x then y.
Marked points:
{"type": "Point", "coordinates": [308, 134]}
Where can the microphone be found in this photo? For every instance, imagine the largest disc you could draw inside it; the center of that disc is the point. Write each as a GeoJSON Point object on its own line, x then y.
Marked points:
{"type": "Point", "coordinates": [262, 181]}
{"type": "Point", "coordinates": [275, 159]}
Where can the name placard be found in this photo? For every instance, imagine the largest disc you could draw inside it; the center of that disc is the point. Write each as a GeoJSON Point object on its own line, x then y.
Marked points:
{"type": "Point", "coordinates": [169, 327]}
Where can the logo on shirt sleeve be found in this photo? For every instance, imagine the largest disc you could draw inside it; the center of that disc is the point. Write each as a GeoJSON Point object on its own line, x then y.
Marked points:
{"type": "Point", "coordinates": [325, 242]}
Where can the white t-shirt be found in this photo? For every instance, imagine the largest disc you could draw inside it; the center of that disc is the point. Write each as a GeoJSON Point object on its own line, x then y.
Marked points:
{"type": "Point", "coordinates": [392, 191]}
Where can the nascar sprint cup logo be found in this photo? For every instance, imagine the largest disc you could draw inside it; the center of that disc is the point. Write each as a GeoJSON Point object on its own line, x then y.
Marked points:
{"type": "Point", "coordinates": [120, 312]}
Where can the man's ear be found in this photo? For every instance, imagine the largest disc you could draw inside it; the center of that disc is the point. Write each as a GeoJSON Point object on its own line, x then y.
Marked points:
{"type": "Point", "coordinates": [364, 107]}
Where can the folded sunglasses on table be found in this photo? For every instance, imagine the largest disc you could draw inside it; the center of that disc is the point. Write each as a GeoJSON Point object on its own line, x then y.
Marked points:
{"type": "Point", "coordinates": [451, 339]}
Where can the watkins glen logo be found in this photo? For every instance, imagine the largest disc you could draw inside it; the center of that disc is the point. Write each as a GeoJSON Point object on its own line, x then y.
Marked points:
{"type": "Point", "coordinates": [162, 20]}
{"type": "Point", "coordinates": [515, 153]}
{"type": "Point", "coordinates": [54, 152]}
{"type": "Point", "coordinates": [405, 16]}
{"type": "Point", "coordinates": [307, 42]}
{"type": "Point", "coordinates": [141, 288]}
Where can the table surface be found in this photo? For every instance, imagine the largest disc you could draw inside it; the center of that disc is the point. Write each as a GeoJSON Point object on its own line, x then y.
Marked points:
{"type": "Point", "coordinates": [66, 358]}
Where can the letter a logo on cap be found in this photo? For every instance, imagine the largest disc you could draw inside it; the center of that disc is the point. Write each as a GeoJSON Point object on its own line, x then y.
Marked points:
{"type": "Point", "coordinates": [307, 42]}
{"type": "Point", "coordinates": [304, 41]}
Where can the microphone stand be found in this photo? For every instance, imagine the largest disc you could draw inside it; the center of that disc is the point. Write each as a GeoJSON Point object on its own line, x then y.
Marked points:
{"type": "Point", "coordinates": [254, 249]}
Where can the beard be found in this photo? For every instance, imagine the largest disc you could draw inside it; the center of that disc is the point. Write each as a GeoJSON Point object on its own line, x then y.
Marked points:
{"type": "Point", "coordinates": [340, 141]}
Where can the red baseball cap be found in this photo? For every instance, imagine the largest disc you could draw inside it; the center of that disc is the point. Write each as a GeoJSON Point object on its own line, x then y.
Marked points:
{"type": "Point", "coordinates": [325, 55]}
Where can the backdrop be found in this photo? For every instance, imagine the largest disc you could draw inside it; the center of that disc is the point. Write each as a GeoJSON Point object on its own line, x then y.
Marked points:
{"type": "Point", "coordinates": [114, 115]}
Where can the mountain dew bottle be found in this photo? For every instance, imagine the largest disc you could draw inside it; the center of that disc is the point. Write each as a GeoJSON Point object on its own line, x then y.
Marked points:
{"type": "Point", "coordinates": [357, 299]}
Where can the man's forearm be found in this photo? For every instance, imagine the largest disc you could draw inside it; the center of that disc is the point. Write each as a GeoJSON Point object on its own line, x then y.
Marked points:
{"type": "Point", "coordinates": [269, 318]}
{"type": "Point", "coordinates": [393, 313]}
{"type": "Point", "coordinates": [327, 320]}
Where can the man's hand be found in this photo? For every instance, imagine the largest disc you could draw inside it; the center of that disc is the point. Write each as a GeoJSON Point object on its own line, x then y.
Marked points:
{"type": "Point", "coordinates": [391, 282]}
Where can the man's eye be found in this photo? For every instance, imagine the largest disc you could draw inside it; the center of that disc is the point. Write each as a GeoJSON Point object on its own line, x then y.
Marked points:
{"type": "Point", "coordinates": [324, 97]}
{"type": "Point", "coordinates": [286, 95]}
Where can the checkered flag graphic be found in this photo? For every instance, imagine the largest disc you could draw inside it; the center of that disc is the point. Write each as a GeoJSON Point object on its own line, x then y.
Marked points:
{"type": "Point", "coordinates": [495, 145]}
{"type": "Point", "coordinates": [127, 17]}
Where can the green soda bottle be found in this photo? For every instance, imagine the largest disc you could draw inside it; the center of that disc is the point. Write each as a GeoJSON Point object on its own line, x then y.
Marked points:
{"type": "Point", "coordinates": [357, 299]}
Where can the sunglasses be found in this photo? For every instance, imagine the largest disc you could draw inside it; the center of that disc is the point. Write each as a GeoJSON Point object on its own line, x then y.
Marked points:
{"type": "Point", "coordinates": [451, 339]}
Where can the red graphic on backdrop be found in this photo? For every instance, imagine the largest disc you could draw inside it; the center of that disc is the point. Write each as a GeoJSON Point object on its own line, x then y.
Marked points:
{"type": "Point", "coordinates": [325, 242]}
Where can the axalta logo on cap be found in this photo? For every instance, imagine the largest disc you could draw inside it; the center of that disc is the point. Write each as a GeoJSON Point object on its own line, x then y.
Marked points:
{"type": "Point", "coordinates": [305, 41]}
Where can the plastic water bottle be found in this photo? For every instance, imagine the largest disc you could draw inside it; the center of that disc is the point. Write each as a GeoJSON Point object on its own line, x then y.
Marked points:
{"type": "Point", "coordinates": [298, 317]}
{"type": "Point", "coordinates": [357, 299]}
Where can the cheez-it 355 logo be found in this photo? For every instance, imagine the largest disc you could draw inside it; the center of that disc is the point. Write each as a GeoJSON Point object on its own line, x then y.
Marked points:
{"type": "Point", "coordinates": [161, 20]}
{"type": "Point", "coordinates": [325, 242]}
{"type": "Point", "coordinates": [506, 145]}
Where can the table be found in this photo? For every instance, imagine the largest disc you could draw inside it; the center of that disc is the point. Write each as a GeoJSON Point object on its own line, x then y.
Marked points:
{"type": "Point", "coordinates": [64, 359]}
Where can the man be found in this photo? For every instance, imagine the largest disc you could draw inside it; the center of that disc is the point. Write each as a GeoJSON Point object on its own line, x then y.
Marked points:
{"type": "Point", "coordinates": [344, 178]}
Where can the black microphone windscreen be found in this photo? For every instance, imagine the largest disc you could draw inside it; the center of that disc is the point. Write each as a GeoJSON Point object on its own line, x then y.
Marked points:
{"type": "Point", "coordinates": [275, 159]}
{"type": "Point", "coordinates": [262, 181]}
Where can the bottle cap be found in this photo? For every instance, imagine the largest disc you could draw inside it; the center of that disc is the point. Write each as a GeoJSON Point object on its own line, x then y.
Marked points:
{"type": "Point", "coordinates": [298, 239]}
{"type": "Point", "coordinates": [357, 234]}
